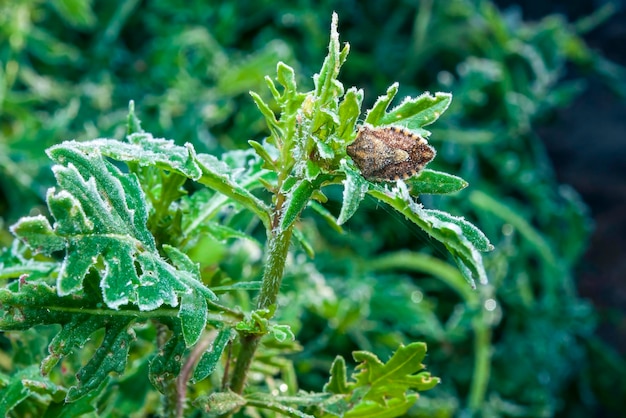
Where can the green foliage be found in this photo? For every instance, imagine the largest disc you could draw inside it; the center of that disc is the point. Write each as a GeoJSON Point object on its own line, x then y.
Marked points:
{"type": "Point", "coordinates": [145, 283]}
{"type": "Point", "coordinates": [113, 275]}
{"type": "Point", "coordinates": [99, 212]}
{"type": "Point", "coordinates": [370, 394]}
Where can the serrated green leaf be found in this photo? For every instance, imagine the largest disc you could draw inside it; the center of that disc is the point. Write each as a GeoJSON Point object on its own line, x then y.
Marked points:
{"type": "Point", "coordinates": [38, 304]}
{"type": "Point", "coordinates": [101, 214]}
{"type": "Point", "coordinates": [111, 356]}
{"type": "Point", "coordinates": [211, 357]}
{"type": "Point", "coordinates": [377, 112]}
{"type": "Point", "coordinates": [240, 168]}
{"type": "Point", "coordinates": [354, 188]}
{"type": "Point", "coordinates": [75, 332]}
{"type": "Point", "coordinates": [37, 233]}
{"type": "Point", "coordinates": [206, 169]}
{"type": "Point", "coordinates": [475, 235]}
{"type": "Point", "coordinates": [31, 304]}
{"type": "Point", "coordinates": [380, 389]}
{"type": "Point", "coordinates": [183, 263]}
{"type": "Point", "coordinates": [142, 148]}
{"type": "Point", "coordinates": [434, 182]}
{"type": "Point", "coordinates": [286, 76]}
{"type": "Point", "coordinates": [349, 111]}
{"type": "Point", "coordinates": [395, 407]}
{"type": "Point", "coordinates": [413, 113]}
{"type": "Point", "coordinates": [165, 366]}
{"type": "Point", "coordinates": [30, 268]}
{"type": "Point", "coordinates": [338, 382]}
{"type": "Point", "coordinates": [399, 371]}
{"type": "Point", "coordinates": [332, 63]}
{"type": "Point", "coordinates": [418, 112]}
{"type": "Point", "coordinates": [193, 315]}
{"type": "Point", "coordinates": [69, 214]}
{"type": "Point", "coordinates": [449, 230]}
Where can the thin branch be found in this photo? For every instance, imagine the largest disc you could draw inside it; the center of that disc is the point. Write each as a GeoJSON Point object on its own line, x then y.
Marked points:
{"type": "Point", "coordinates": [185, 373]}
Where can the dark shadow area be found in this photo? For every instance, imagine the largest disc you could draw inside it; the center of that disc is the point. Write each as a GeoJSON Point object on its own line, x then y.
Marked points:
{"type": "Point", "coordinates": [587, 143]}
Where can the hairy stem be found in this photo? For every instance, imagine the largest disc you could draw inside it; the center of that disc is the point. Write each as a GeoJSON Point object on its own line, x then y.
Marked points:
{"type": "Point", "coordinates": [277, 249]}
{"type": "Point", "coordinates": [249, 344]}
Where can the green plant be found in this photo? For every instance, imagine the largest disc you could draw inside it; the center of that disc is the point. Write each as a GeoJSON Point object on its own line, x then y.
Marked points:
{"type": "Point", "coordinates": [69, 72]}
{"type": "Point", "coordinates": [145, 231]}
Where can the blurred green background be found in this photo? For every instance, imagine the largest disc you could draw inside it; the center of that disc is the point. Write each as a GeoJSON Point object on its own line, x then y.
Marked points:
{"type": "Point", "coordinates": [538, 104]}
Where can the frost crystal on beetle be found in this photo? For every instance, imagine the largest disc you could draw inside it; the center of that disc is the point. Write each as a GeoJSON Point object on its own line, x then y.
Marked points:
{"type": "Point", "coordinates": [389, 153]}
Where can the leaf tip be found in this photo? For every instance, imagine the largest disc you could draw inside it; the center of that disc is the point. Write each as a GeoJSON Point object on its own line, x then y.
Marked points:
{"type": "Point", "coordinates": [133, 123]}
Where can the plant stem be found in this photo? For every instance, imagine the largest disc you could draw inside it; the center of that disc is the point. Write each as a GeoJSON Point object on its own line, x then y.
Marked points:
{"type": "Point", "coordinates": [188, 367]}
{"type": "Point", "coordinates": [482, 363]}
{"type": "Point", "coordinates": [249, 344]}
{"type": "Point", "coordinates": [277, 249]}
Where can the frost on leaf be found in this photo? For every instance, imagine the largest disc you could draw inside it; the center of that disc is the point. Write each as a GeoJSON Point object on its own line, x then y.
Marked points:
{"type": "Point", "coordinates": [145, 150]}
{"type": "Point", "coordinates": [462, 239]}
{"type": "Point", "coordinates": [35, 303]}
{"type": "Point", "coordinates": [100, 215]}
